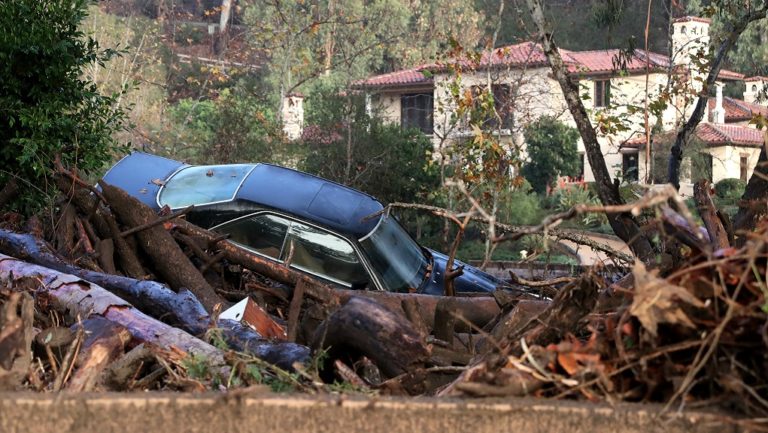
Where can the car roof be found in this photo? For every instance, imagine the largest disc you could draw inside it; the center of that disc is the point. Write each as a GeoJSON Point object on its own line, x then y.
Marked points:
{"type": "Point", "coordinates": [327, 203]}
{"type": "Point", "coordinates": [333, 205]}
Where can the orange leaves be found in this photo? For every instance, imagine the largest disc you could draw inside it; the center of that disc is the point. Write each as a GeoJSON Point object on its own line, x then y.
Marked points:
{"type": "Point", "coordinates": [577, 358]}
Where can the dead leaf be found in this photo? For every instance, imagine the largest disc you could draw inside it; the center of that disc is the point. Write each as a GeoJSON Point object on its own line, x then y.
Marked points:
{"type": "Point", "coordinates": [158, 182]}
{"type": "Point", "coordinates": [658, 301]}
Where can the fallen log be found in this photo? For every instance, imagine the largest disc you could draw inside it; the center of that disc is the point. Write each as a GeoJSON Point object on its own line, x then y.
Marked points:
{"type": "Point", "coordinates": [157, 300]}
{"type": "Point", "coordinates": [477, 310]}
{"type": "Point", "coordinates": [76, 297]}
{"type": "Point", "coordinates": [362, 326]}
{"type": "Point", "coordinates": [167, 257]}
{"type": "Point", "coordinates": [104, 342]}
{"type": "Point", "coordinates": [106, 226]}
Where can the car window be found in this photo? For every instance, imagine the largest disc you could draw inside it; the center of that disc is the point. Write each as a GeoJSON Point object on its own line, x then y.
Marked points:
{"type": "Point", "coordinates": [324, 254]}
{"type": "Point", "coordinates": [263, 233]}
{"type": "Point", "coordinates": [203, 184]}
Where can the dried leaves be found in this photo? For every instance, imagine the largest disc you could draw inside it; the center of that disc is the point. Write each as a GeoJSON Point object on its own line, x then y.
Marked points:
{"type": "Point", "coordinates": [658, 301]}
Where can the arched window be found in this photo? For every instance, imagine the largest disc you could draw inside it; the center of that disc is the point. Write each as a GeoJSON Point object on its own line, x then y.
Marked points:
{"type": "Point", "coordinates": [683, 30]}
{"type": "Point", "coordinates": [754, 87]}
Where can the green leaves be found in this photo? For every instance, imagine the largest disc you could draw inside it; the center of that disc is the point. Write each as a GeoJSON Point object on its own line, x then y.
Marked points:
{"type": "Point", "coordinates": [52, 111]}
{"type": "Point", "coordinates": [552, 151]}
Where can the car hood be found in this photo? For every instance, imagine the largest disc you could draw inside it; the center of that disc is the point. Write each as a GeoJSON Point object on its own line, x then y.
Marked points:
{"type": "Point", "coordinates": [141, 175]}
{"type": "Point", "coordinates": [472, 280]}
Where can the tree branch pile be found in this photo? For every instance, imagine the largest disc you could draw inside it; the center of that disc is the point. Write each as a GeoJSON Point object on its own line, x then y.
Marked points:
{"type": "Point", "coordinates": [102, 305]}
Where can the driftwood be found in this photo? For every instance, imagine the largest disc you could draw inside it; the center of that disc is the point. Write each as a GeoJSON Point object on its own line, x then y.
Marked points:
{"type": "Point", "coordinates": [106, 227]}
{"type": "Point", "coordinates": [365, 327]}
{"type": "Point", "coordinates": [157, 300]}
{"type": "Point", "coordinates": [476, 311]}
{"type": "Point", "coordinates": [104, 342]}
{"type": "Point", "coordinates": [168, 258]}
{"type": "Point", "coordinates": [72, 295]}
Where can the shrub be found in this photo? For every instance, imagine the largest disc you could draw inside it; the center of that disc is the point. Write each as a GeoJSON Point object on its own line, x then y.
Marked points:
{"type": "Point", "coordinates": [730, 189]}
{"type": "Point", "coordinates": [571, 195]}
{"type": "Point", "coordinates": [47, 107]}
{"type": "Point", "coordinates": [552, 152]}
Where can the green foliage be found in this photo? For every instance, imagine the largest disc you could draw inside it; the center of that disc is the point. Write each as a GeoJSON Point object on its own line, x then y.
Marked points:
{"type": "Point", "coordinates": [47, 107]}
{"type": "Point", "coordinates": [235, 127]}
{"type": "Point", "coordinates": [520, 206]}
{"type": "Point", "coordinates": [197, 367]}
{"type": "Point", "coordinates": [552, 152]}
{"type": "Point", "coordinates": [345, 144]}
{"type": "Point", "coordinates": [571, 195]}
{"type": "Point", "coordinates": [730, 189]}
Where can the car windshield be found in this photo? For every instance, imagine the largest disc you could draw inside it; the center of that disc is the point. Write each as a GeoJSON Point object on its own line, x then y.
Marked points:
{"type": "Point", "coordinates": [203, 184]}
{"type": "Point", "coordinates": [395, 256]}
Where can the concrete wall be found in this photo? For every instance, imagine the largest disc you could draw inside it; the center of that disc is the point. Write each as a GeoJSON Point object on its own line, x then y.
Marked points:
{"type": "Point", "coordinates": [237, 412]}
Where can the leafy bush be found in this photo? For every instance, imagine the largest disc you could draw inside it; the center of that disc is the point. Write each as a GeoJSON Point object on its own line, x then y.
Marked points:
{"type": "Point", "coordinates": [47, 107]}
{"type": "Point", "coordinates": [571, 195]}
{"type": "Point", "coordinates": [730, 189]}
{"type": "Point", "coordinates": [520, 206]}
{"type": "Point", "coordinates": [552, 152]}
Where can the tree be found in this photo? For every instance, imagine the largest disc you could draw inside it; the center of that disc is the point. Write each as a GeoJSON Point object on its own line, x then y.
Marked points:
{"type": "Point", "coordinates": [624, 224]}
{"type": "Point", "coordinates": [552, 152]}
{"type": "Point", "coordinates": [347, 144]}
{"type": "Point", "coordinates": [47, 108]}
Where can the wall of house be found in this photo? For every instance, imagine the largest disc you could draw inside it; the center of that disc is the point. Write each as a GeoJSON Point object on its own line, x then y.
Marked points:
{"type": "Point", "coordinates": [726, 161]}
{"type": "Point", "coordinates": [387, 105]}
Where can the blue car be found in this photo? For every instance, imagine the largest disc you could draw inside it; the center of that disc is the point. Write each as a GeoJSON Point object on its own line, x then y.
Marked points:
{"type": "Point", "coordinates": [329, 231]}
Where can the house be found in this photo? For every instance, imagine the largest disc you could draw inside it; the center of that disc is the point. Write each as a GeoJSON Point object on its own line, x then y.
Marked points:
{"type": "Point", "coordinates": [613, 87]}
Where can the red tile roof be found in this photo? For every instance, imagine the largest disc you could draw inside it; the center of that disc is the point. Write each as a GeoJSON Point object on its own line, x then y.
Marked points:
{"type": "Point", "coordinates": [690, 18]}
{"type": "Point", "coordinates": [414, 76]}
{"type": "Point", "coordinates": [605, 60]}
{"type": "Point", "coordinates": [737, 110]}
{"type": "Point", "coordinates": [713, 134]}
{"type": "Point", "coordinates": [529, 54]}
{"type": "Point", "coordinates": [755, 78]}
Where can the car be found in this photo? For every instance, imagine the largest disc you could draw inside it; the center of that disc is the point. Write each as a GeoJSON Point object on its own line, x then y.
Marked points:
{"type": "Point", "coordinates": [329, 231]}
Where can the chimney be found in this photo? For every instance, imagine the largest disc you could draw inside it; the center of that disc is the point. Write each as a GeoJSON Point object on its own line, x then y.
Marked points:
{"type": "Point", "coordinates": [293, 116]}
{"type": "Point", "coordinates": [757, 90]}
{"type": "Point", "coordinates": [718, 113]}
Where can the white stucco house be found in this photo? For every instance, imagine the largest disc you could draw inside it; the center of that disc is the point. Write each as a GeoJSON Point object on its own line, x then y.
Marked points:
{"type": "Point", "coordinates": [612, 85]}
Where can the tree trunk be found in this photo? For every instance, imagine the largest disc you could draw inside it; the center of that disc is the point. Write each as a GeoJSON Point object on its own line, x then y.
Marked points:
{"type": "Point", "coordinates": [623, 224]}
{"type": "Point", "coordinates": [71, 295]}
{"type": "Point", "coordinates": [167, 257]}
{"type": "Point", "coordinates": [178, 309]}
{"type": "Point", "coordinates": [222, 39]}
{"type": "Point", "coordinates": [363, 326]}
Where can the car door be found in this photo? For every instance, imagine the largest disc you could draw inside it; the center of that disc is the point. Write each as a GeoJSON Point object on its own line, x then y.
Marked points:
{"type": "Point", "coordinates": [301, 246]}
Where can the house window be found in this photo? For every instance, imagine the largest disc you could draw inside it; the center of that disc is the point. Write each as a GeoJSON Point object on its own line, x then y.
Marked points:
{"type": "Point", "coordinates": [581, 166]}
{"type": "Point", "coordinates": [743, 167]}
{"type": "Point", "coordinates": [502, 102]}
{"type": "Point", "coordinates": [602, 95]}
{"type": "Point", "coordinates": [629, 167]}
{"type": "Point", "coordinates": [416, 111]}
